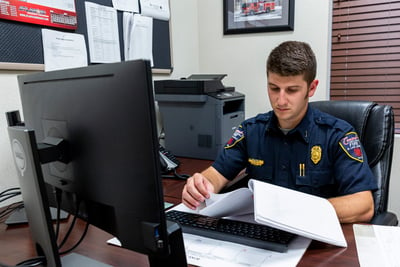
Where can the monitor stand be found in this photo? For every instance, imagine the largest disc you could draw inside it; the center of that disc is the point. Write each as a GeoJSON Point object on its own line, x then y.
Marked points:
{"type": "Point", "coordinates": [27, 160]}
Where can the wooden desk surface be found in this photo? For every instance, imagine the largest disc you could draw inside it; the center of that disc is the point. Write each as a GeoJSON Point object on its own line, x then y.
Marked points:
{"type": "Point", "coordinates": [16, 245]}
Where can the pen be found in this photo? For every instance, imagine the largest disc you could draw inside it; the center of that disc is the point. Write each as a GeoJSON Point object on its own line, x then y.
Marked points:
{"type": "Point", "coordinates": [302, 169]}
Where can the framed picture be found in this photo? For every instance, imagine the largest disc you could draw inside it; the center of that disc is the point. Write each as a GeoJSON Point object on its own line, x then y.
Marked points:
{"type": "Point", "coordinates": [250, 16]}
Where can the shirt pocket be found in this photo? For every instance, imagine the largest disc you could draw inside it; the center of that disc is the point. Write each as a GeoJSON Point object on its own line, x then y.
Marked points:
{"type": "Point", "coordinates": [315, 182]}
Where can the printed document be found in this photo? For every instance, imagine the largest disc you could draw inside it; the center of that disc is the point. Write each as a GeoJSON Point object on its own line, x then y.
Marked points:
{"type": "Point", "coordinates": [63, 50]}
{"type": "Point", "coordinates": [377, 245]}
{"type": "Point", "coordinates": [138, 37]}
{"type": "Point", "coordinates": [296, 212]}
{"type": "Point", "coordinates": [103, 34]}
{"type": "Point", "coordinates": [158, 9]}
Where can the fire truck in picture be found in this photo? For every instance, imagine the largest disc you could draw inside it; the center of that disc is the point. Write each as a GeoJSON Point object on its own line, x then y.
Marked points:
{"type": "Point", "coordinates": [253, 7]}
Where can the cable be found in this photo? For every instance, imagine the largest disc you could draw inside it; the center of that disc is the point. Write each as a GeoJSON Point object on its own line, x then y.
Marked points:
{"type": "Point", "coordinates": [8, 193]}
{"type": "Point", "coordinates": [36, 261]}
{"type": "Point", "coordinates": [58, 193]}
{"type": "Point", "coordinates": [40, 260]}
{"type": "Point", "coordinates": [79, 241]}
{"type": "Point", "coordinates": [71, 226]}
{"type": "Point", "coordinates": [176, 176]}
{"type": "Point", "coordinates": [10, 209]}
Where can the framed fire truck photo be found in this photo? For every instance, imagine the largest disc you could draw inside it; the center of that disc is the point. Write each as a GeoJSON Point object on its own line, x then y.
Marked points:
{"type": "Point", "coordinates": [250, 16]}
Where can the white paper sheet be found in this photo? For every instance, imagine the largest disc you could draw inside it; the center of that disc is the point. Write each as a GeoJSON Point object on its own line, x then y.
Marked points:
{"type": "Point", "coordinates": [126, 5]}
{"type": "Point", "coordinates": [296, 212]}
{"type": "Point", "coordinates": [377, 245]}
{"type": "Point", "coordinates": [138, 37]}
{"type": "Point", "coordinates": [238, 202]}
{"type": "Point", "coordinates": [103, 34]}
{"type": "Point", "coordinates": [158, 9]}
{"type": "Point", "coordinates": [63, 50]}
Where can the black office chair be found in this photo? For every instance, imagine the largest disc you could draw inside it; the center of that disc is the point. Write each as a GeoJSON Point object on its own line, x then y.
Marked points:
{"type": "Point", "coordinates": [375, 125]}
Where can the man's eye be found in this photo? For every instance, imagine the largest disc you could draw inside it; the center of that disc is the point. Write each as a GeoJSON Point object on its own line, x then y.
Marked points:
{"type": "Point", "coordinates": [275, 89]}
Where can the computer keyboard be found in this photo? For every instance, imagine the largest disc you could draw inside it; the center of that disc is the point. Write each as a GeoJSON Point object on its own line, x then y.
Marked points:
{"type": "Point", "coordinates": [250, 234]}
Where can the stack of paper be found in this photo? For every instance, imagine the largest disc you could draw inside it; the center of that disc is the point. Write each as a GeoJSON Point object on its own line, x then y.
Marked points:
{"type": "Point", "coordinates": [377, 245]}
{"type": "Point", "coordinates": [296, 212]}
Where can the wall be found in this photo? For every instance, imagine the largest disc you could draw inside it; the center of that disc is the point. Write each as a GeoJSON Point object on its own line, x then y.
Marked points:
{"type": "Point", "coordinates": [199, 46]}
{"type": "Point", "coordinates": [243, 56]}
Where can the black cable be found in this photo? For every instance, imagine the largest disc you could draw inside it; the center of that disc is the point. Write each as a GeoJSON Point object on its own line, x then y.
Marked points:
{"type": "Point", "coordinates": [10, 189]}
{"type": "Point", "coordinates": [10, 209]}
{"type": "Point", "coordinates": [40, 260]}
{"type": "Point", "coordinates": [71, 226]}
{"type": "Point", "coordinates": [8, 196]}
{"type": "Point", "coordinates": [58, 193]}
{"type": "Point", "coordinates": [181, 176]}
{"type": "Point", "coordinates": [79, 241]}
{"type": "Point", "coordinates": [36, 261]}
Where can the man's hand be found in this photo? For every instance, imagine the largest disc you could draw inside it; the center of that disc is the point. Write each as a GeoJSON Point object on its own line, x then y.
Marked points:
{"type": "Point", "coordinates": [200, 185]}
{"type": "Point", "coordinates": [196, 190]}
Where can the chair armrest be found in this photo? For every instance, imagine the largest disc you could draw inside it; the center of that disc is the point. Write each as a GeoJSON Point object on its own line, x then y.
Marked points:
{"type": "Point", "coordinates": [385, 218]}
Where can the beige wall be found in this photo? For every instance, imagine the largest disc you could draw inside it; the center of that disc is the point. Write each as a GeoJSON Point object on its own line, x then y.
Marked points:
{"type": "Point", "coordinates": [199, 46]}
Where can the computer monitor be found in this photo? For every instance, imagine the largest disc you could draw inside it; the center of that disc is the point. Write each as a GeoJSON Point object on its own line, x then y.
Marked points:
{"type": "Point", "coordinates": [105, 117]}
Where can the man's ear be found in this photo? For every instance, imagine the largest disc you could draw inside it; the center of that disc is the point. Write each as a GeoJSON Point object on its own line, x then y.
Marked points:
{"type": "Point", "coordinates": [313, 88]}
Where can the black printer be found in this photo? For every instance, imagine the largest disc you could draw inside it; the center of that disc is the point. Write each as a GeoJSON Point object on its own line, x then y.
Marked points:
{"type": "Point", "coordinates": [194, 84]}
{"type": "Point", "coordinates": [199, 114]}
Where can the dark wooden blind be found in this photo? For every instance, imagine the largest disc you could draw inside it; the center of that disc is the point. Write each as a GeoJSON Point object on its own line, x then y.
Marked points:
{"type": "Point", "coordinates": [365, 63]}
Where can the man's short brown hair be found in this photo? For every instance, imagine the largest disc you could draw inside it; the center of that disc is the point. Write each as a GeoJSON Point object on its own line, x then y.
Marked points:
{"type": "Point", "coordinates": [293, 58]}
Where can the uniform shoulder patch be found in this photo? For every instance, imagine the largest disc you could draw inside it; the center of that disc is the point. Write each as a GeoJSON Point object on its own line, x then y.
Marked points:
{"type": "Point", "coordinates": [236, 137]}
{"type": "Point", "coordinates": [351, 145]}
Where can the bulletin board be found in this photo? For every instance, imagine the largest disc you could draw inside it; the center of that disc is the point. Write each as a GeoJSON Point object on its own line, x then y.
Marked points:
{"type": "Point", "coordinates": [21, 43]}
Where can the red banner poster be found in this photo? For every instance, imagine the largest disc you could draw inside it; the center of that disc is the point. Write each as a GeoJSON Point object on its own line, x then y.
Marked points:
{"type": "Point", "coordinates": [26, 11]}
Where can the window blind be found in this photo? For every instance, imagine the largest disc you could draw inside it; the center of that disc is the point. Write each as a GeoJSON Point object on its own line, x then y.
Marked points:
{"type": "Point", "coordinates": [365, 61]}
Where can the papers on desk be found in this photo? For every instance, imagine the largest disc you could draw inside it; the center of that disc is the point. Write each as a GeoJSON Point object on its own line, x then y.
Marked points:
{"type": "Point", "coordinates": [377, 245]}
{"type": "Point", "coordinates": [207, 252]}
{"type": "Point", "coordinates": [289, 210]}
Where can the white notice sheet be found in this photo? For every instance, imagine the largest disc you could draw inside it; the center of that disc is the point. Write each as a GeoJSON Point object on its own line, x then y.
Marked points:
{"type": "Point", "coordinates": [377, 245]}
{"type": "Point", "coordinates": [138, 37]}
{"type": "Point", "coordinates": [102, 28]}
{"type": "Point", "coordinates": [126, 5]}
{"type": "Point", "coordinates": [63, 50]}
{"type": "Point", "coordinates": [158, 9]}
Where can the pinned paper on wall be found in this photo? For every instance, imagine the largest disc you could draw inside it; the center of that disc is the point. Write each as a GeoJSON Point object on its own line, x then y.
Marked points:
{"type": "Point", "coordinates": [138, 37]}
{"type": "Point", "coordinates": [158, 9]}
{"type": "Point", "coordinates": [63, 50]}
{"type": "Point", "coordinates": [126, 5]}
{"type": "Point", "coordinates": [103, 34]}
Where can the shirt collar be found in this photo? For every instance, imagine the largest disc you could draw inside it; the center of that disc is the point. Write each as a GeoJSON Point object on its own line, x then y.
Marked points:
{"type": "Point", "coordinates": [303, 129]}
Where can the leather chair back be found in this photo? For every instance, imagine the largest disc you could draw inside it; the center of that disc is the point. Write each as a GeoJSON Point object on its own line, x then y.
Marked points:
{"type": "Point", "coordinates": [375, 125]}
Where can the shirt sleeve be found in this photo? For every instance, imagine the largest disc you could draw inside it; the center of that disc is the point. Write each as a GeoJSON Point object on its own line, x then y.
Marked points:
{"type": "Point", "coordinates": [351, 166]}
{"type": "Point", "coordinates": [232, 158]}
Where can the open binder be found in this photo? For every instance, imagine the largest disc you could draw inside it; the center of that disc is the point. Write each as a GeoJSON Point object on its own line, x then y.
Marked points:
{"type": "Point", "coordinates": [286, 209]}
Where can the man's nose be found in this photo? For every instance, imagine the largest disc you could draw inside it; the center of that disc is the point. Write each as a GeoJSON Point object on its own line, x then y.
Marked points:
{"type": "Point", "coordinates": [282, 99]}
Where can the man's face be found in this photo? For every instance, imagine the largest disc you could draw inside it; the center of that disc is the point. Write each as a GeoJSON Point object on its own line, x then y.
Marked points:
{"type": "Point", "coordinates": [288, 96]}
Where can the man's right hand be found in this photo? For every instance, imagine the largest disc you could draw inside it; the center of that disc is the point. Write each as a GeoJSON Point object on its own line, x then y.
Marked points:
{"type": "Point", "coordinates": [200, 185]}
{"type": "Point", "coordinates": [196, 190]}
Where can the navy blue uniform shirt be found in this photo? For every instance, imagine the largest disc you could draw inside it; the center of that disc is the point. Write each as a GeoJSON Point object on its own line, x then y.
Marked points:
{"type": "Point", "coordinates": [322, 156]}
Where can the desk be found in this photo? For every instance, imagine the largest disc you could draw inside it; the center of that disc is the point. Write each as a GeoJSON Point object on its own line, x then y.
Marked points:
{"type": "Point", "coordinates": [15, 244]}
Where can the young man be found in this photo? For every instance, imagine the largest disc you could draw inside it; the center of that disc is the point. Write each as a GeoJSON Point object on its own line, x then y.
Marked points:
{"type": "Point", "coordinates": [294, 145]}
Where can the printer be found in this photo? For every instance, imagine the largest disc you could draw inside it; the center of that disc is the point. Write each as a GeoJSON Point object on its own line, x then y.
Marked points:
{"type": "Point", "coordinates": [199, 114]}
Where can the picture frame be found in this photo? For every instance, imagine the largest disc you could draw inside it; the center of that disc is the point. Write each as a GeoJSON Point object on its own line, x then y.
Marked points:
{"type": "Point", "coordinates": [253, 16]}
